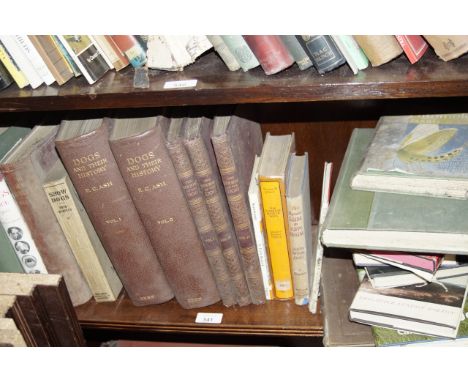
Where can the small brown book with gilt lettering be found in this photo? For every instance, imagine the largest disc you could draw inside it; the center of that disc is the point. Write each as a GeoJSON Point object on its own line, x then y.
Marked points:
{"type": "Point", "coordinates": [197, 205]}
{"type": "Point", "coordinates": [146, 167]}
{"type": "Point", "coordinates": [197, 141]}
{"type": "Point", "coordinates": [86, 154]}
{"type": "Point", "coordinates": [236, 142]}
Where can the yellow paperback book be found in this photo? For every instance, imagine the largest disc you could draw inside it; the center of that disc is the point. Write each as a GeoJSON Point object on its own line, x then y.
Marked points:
{"type": "Point", "coordinates": [12, 68]}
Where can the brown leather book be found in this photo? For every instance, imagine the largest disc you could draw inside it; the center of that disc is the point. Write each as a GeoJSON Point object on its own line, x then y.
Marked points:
{"type": "Point", "coordinates": [53, 293]}
{"type": "Point", "coordinates": [10, 308]}
{"type": "Point", "coordinates": [197, 205]}
{"type": "Point", "coordinates": [236, 142]}
{"type": "Point", "coordinates": [448, 47]}
{"type": "Point", "coordinates": [197, 141]}
{"type": "Point", "coordinates": [86, 154]}
{"type": "Point", "coordinates": [32, 309]}
{"type": "Point", "coordinates": [25, 169]}
{"type": "Point", "coordinates": [147, 169]}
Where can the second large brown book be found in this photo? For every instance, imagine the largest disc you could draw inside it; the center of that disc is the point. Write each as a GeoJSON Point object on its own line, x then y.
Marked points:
{"type": "Point", "coordinates": [84, 148]}
{"type": "Point", "coordinates": [145, 164]}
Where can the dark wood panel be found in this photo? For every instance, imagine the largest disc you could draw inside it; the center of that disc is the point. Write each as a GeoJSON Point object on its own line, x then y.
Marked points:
{"type": "Point", "coordinates": [275, 318]}
{"type": "Point", "coordinates": [430, 77]}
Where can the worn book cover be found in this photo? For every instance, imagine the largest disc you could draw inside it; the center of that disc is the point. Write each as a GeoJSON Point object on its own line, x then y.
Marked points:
{"type": "Point", "coordinates": [387, 221]}
{"type": "Point", "coordinates": [236, 142]}
{"type": "Point", "coordinates": [87, 156]}
{"type": "Point", "coordinates": [147, 169]}
{"type": "Point", "coordinates": [433, 309]}
{"type": "Point", "coordinates": [418, 154]}
{"type": "Point", "coordinates": [24, 169]}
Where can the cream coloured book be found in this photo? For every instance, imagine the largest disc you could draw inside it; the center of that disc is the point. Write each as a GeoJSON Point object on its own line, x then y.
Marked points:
{"type": "Point", "coordinates": [81, 236]}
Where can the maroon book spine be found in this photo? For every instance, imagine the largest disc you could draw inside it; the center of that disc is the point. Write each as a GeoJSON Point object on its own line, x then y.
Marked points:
{"type": "Point", "coordinates": [96, 177]}
{"type": "Point", "coordinates": [271, 52]}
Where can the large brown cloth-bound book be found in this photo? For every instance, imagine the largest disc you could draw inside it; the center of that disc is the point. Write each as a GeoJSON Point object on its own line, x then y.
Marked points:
{"type": "Point", "coordinates": [24, 169]}
{"type": "Point", "coordinates": [236, 142]}
{"type": "Point", "coordinates": [448, 47]}
{"type": "Point", "coordinates": [138, 147]}
{"type": "Point", "coordinates": [197, 141]}
{"type": "Point", "coordinates": [86, 154]}
{"type": "Point", "coordinates": [197, 205]}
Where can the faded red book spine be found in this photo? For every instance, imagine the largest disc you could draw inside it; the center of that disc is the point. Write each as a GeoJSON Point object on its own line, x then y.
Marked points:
{"type": "Point", "coordinates": [271, 52]}
{"type": "Point", "coordinates": [414, 46]}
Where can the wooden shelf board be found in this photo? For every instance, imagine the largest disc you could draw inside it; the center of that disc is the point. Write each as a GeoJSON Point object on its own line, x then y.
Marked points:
{"type": "Point", "coordinates": [430, 77]}
{"type": "Point", "coordinates": [274, 318]}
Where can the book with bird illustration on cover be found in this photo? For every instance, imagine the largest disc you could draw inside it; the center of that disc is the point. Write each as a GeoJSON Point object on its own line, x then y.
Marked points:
{"type": "Point", "coordinates": [417, 154]}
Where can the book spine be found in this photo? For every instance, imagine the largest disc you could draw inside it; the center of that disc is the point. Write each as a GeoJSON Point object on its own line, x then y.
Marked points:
{"type": "Point", "coordinates": [96, 177]}
{"type": "Point", "coordinates": [12, 67]}
{"type": "Point", "coordinates": [71, 63]}
{"type": "Point", "coordinates": [149, 174]}
{"type": "Point", "coordinates": [18, 232]}
{"type": "Point", "coordinates": [297, 51]}
{"type": "Point", "coordinates": [299, 249]}
{"type": "Point", "coordinates": [61, 314]}
{"type": "Point", "coordinates": [354, 55]}
{"type": "Point", "coordinates": [86, 56]}
{"type": "Point", "coordinates": [219, 216]}
{"type": "Point", "coordinates": [201, 217]}
{"type": "Point", "coordinates": [318, 258]}
{"type": "Point", "coordinates": [34, 57]}
{"type": "Point", "coordinates": [103, 53]}
{"type": "Point", "coordinates": [223, 51]}
{"type": "Point", "coordinates": [272, 193]}
{"type": "Point", "coordinates": [322, 51]}
{"type": "Point", "coordinates": [89, 253]}
{"type": "Point", "coordinates": [118, 61]}
{"type": "Point", "coordinates": [379, 49]}
{"type": "Point", "coordinates": [21, 60]}
{"type": "Point", "coordinates": [33, 312]}
{"type": "Point", "coordinates": [240, 217]}
{"type": "Point", "coordinates": [414, 46]}
{"type": "Point", "coordinates": [258, 226]}
{"type": "Point", "coordinates": [53, 58]}
{"type": "Point", "coordinates": [270, 52]}
{"type": "Point", "coordinates": [131, 48]}
{"type": "Point", "coordinates": [448, 47]}
{"type": "Point", "coordinates": [5, 78]}
{"type": "Point", "coordinates": [241, 51]}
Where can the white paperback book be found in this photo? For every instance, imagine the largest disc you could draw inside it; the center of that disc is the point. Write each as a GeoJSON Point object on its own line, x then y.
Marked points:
{"type": "Point", "coordinates": [257, 221]}
{"type": "Point", "coordinates": [317, 266]}
{"type": "Point", "coordinates": [35, 58]}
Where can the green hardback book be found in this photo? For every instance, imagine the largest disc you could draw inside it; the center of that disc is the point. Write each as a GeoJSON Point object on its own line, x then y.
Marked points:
{"type": "Point", "coordinates": [386, 221]}
{"type": "Point", "coordinates": [9, 262]}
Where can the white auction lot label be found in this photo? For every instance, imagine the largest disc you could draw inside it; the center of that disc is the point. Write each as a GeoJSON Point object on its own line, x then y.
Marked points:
{"type": "Point", "coordinates": [180, 84]}
{"type": "Point", "coordinates": [209, 318]}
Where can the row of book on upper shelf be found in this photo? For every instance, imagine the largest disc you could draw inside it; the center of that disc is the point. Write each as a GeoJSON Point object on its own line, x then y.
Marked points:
{"type": "Point", "coordinates": [193, 208]}
{"type": "Point", "coordinates": [400, 204]}
{"type": "Point", "coordinates": [34, 60]}
{"type": "Point", "coordinates": [36, 310]}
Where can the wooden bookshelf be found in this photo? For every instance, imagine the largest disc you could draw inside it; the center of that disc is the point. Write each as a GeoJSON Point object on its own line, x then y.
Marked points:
{"type": "Point", "coordinates": [430, 77]}
{"type": "Point", "coordinates": [322, 111]}
{"type": "Point", "coordinates": [274, 318]}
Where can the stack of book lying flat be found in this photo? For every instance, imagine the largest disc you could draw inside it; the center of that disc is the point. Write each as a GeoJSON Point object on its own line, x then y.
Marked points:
{"type": "Point", "coordinates": [400, 205]}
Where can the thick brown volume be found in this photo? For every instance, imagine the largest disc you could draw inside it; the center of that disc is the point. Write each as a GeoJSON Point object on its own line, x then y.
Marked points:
{"type": "Point", "coordinates": [96, 177]}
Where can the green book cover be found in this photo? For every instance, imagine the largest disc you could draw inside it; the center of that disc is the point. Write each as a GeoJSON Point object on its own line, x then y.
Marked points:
{"type": "Point", "coordinates": [386, 221]}
{"type": "Point", "coordinates": [9, 262]}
